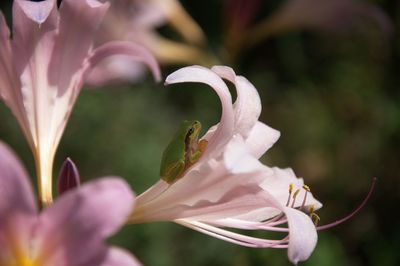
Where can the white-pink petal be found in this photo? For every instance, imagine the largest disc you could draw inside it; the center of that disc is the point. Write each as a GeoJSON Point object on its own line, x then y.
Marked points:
{"type": "Point", "coordinates": [37, 11]}
{"type": "Point", "coordinates": [225, 128]}
{"type": "Point", "coordinates": [134, 51]}
{"type": "Point", "coordinates": [261, 138]}
{"type": "Point", "coordinates": [303, 235]}
{"type": "Point", "coordinates": [16, 194]}
{"type": "Point", "coordinates": [247, 106]}
{"type": "Point", "coordinates": [239, 160]}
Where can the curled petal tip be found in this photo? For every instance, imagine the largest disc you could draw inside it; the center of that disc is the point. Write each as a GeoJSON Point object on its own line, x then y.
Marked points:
{"type": "Point", "coordinates": [68, 177]}
{"type": "Point", "coordinates": [37, 11]}
{"type": "Point", "coordinates": [134, 51]}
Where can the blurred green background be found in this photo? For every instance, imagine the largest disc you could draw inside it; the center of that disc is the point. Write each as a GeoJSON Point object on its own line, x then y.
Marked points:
{"type": "Point", "coordinates": [334, 97]}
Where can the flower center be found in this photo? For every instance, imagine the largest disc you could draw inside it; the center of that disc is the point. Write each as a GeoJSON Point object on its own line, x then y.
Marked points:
{"type": "Point", "coordinates": [20, 256]}
{"type": "Point", "coordinates": [291, 201]}
{"type": "Point", "coordinates": [24, 261]}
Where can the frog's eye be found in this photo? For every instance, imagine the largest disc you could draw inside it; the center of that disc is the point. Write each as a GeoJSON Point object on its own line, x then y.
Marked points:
{"type": "Point", "coordinates": [191, 131]}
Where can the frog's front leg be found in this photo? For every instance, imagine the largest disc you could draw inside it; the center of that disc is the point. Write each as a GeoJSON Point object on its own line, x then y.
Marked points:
{"type": "Point", "coordinates": [194, 156]}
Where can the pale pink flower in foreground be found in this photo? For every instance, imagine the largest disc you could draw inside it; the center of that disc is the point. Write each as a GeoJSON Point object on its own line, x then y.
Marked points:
{"type": "Point", "coordinates": [71, 232]}
{"type": "Point", "coordinates": [43, 67]}
{"type": "Point", "coordinates": [137, 21]}
{"type": "Point", "coordinates": [229, 187]}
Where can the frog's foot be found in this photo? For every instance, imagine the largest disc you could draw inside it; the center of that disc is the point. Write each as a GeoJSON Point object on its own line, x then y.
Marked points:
{"type": "Point", "coordinates": [174, 173]}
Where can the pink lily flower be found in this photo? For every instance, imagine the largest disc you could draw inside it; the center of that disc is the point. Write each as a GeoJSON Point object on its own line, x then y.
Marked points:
{"type": "Point", "coordinates": [229, 187]}
{"type": "Point", "coordinates": [136, 21]}
{"type": "Point", "coordinates": [71, 232]}
{"type": "Point", "coordinates": [44, 65]}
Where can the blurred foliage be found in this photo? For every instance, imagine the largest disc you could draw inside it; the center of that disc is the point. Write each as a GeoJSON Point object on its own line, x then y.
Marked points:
{"type": "Point", "coordinates": [336, 100]}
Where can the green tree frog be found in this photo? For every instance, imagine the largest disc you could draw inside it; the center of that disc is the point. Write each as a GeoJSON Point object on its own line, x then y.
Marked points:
{"type": "Point", "coordinates": [182, 152]}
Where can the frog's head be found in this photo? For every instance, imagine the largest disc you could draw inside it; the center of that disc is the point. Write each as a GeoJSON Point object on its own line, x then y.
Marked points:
{"type": "Point", "coordinates": [193, 130]}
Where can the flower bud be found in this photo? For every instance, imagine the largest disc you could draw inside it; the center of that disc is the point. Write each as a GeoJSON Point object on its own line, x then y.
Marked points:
{"type": "Point", "coordinates": [68, 178]}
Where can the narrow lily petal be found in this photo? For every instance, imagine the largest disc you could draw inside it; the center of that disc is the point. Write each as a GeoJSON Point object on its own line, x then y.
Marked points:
{"type": "Point", "coordinates": [153, 192]}
{"type": "Point", "coordinates": [85, 207]}
{"type": "Point", "coordinates": [303, 235]}
{"type": "Point", "coordinates": [16, 194]}
{"type": "Point", "coordinates": [6, 74]}
{"type": "Point", "coordinates": [238, 159]}
{"type": "Point", "coordinates": [32, 45]}
{"type": "Point", "coordinates": [9, 79]}
{"type": "Point", "coordinates": [225, 128]}
{"type": "Point", "coordinates": [37, 11]}
{"type": "Point", "coordinates": [248, 104]}
{"type": "Point", "coordinates": [114, 70]}
{"type": "Point", "coordinates": [75, 26]}
{"type": "Point", "coordinates": [79, 20]}
{"type": "Point", "coordinates": [68, 177]}
{"type": "Point", "coordinates": [261, 138]}
{"type": "Point", "coordinates": [17, 206]}
{"type": "Point", "coordinates": [135, 51]}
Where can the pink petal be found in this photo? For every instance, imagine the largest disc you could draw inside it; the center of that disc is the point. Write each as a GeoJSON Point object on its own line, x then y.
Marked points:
{"type": "Point", "coordinates": [261, 138]}
{"type": "Point", "coordinates": [8, 78]}
{"type": "Point", "coordinates": [204, 189]}
{"type": "Point", "coordinates": [153, 192]}
{"type": "Point", "coordinates": [116, 69]}
{"type": "Point", "coordinates": [247, 106]}
{"type": "Point", "coordinates": [79, 20]}
{"type": "Point", "coordinates": [119, 257]}
{"type": "Point", "coordinates": [6, 74]}
{"type": "Point", "coordinates": [36, 11]}
{"type": "Point", "coordinates": [32, 45]}
{"type": "Point", "coordinates": [16, 195]}
{"type": "Point", "coordinates": [302, 235]}
{"type": "Point", "coordinates": [239, 160]}
{"type": "Point", "coordinates": [238, 200]}
{"type": "Point", "coordinates": [225, 128]}
{"type": "Point", "coordinates": [134, 51]}
{"type": "Point", "coordinates": [18, 210]}
{"type": "Point", "coordinates": [84, 217]}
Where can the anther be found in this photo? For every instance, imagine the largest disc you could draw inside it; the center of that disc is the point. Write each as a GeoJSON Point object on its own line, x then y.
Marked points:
{"type": "Point", "coordinates": [315, 218]}
{"type": "Point", "coordinates": [294, 196]}
{"type": "Point", "coordinates": [312, 208]}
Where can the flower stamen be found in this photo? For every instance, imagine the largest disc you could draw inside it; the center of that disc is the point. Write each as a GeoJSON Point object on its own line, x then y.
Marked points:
{"type": "Point", "coordinates": [294, 197]}
{"type": "Point", "coordinates": [290, 194]}
{"type": "Point", "coordinates": [314, 217]}
{"type": "Point", "coordinates": [307, 189]}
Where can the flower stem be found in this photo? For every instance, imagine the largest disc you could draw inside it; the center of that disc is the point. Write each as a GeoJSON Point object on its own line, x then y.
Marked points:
{"type": "Point", "coordinates": [44, 169]}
